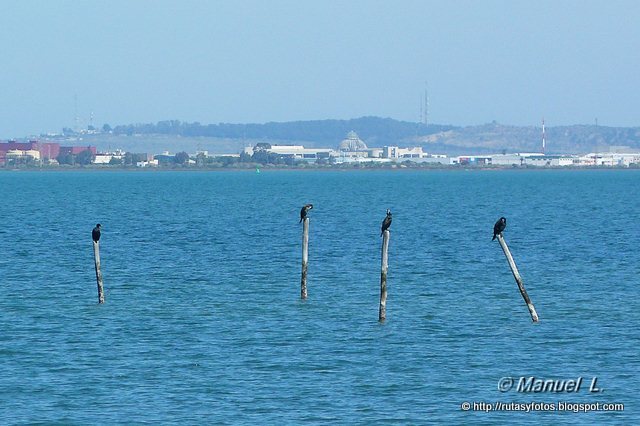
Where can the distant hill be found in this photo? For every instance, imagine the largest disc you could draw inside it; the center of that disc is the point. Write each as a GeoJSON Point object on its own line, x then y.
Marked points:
{"type": "Point", "coordinates": [495, 137]}
{"type": "Point", "coordinates": [376, 132]}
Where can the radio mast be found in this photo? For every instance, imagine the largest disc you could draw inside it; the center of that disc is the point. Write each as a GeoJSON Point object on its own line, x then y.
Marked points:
{"type": "Point", "coordinates": [544, 138]}
{"type": "Point", "coordinates": [426, 105]}
{"type": "Point", "coordinates": [76, 119]}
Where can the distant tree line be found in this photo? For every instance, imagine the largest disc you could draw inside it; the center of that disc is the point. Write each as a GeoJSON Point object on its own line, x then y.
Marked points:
{"type": "Point", "coordinates": [374, 130]}
{"type": "Point", "coordinates": [83, 158]}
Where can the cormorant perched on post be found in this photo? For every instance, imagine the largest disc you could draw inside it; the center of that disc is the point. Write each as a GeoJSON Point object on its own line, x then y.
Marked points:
{"type": "Point", "coordinates": [386, 223]}
{"type": "Point", "coordinates": [499, 227]}
{"type": "Point", "coordinates": [95, 234]}
{"type": "Point", "coordinates": [304, 210]}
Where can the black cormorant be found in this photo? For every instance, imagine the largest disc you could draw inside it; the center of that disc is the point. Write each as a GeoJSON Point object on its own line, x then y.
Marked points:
{"type": "Point", "coordinates": [386, 223]}
{"type": "Point", "coordinates": [304, 210]}
{"type": "Point", "coordinates": [95, 234]}
{"type": "Point", "coordinates": [499, 227]}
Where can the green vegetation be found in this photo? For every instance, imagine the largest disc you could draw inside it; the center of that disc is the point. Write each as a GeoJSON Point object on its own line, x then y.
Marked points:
{"type": "Point", "coordinates": [181, 158]}
{"type": "Point", "coordinates": [83, 158]}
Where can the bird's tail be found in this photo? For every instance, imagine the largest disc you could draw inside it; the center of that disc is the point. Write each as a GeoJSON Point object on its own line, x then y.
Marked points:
{"type": "Point", "coordinates": [494, 237]}
{"type": "Point", "coordinates": [300, 220]}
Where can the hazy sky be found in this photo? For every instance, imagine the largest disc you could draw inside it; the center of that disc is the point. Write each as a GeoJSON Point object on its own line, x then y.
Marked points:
{"type": "Point", "coordinates": [268, 60]}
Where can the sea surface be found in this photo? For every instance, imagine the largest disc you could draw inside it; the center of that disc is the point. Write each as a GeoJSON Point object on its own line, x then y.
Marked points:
{"type": "Point", "coordinates": [203, 321]}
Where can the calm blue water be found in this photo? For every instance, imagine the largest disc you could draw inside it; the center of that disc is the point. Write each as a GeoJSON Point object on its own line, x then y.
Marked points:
{"type": "Point", "coordinates": [203, 323]}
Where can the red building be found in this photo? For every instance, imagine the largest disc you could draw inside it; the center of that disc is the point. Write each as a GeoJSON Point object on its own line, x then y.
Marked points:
{"type": "Point", "coordinates": [47, 150]}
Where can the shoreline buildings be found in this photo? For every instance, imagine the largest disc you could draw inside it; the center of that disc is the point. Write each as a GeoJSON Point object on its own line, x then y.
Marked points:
{"type": "Point", "coordinates": [351, 150]}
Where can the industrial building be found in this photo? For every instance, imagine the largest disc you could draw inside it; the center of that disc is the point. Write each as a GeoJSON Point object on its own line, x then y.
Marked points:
{"type": "Point", "coordinates": [38, 151]}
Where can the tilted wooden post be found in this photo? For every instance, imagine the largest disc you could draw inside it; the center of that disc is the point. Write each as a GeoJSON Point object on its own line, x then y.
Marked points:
{"type": "Point", "coordinates": [516, 275]}
{"type": "Point", "coordinates": [305, 258]}
{"type": "Point", "coordinates": [96, 258]}
{"type": "Point", "coordinates": [382, 315]}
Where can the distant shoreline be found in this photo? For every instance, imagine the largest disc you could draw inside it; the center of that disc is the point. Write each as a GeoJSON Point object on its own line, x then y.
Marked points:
{"type": "Point", "coordinates": [306, 169]}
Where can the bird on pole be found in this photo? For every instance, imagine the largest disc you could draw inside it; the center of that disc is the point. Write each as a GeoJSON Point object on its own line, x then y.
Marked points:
{"type": "Point", "coordinates": [386, 223]}
{"type": "Point", "coordinates": [304, 210]}
{"type": "Point", "coordinates": [500, 225]}
{"type": "Point", "coordinates": [95, 234]}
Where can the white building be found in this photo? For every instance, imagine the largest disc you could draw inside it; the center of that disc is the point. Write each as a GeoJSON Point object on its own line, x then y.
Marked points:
{"type": "Point", "coordinates": [106, 157]}
{"type": "Point", "coordinates": [436, 159]}
{"type": "Point", "coordinates": [292, 151]}
{"type": "Point", "coordinates": [352, 147]}
{"type": "Point", "coordinates": [346, 159]}
{"type": "Point", "coordinates": [299, 151]}
{"type": "Point", "coordinates": [550, 161]}
{"type": "Point", "coordinates": [375, 152]}
{"type": "Point", "coordinates": [517, 159]}
{"type": "Point", "coordinates": [609, 159]}
{"type": "Point", "coordinates": [150, 163]}
{"type": "Point", "coordinates": [16, 154]}
{"type": "Point", "coordinates": [352, 143]}
{"type": "Point", "coordinates": [399, 153]}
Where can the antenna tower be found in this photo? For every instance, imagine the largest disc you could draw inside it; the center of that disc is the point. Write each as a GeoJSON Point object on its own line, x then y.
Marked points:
{"type": "Point", "coordinates": [426, 105]}
{"type": "Point", "coordinates": [76, 119]}
{"type": "Point", "coordinates": [544, 138]}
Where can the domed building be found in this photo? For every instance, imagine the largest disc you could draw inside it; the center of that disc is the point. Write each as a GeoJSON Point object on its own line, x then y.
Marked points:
{"type": "Point", "coordinates": [352, 143]}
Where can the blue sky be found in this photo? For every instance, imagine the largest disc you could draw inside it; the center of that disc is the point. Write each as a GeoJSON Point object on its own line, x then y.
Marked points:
{"type": "Point", "coordinates": [258, 61]}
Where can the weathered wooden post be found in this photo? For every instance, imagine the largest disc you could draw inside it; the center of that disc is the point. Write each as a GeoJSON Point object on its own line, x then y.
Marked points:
{"type": "Point", "coordinates": [305, 257]}
{"type": "Point", "coordinates": [382, 315]}
{"type": "Point", "coordinates": [96, 258]}
{"type": "Point", "coordinates": [95, 236]}
{"type": "Point", "coordinates": [516, 275]}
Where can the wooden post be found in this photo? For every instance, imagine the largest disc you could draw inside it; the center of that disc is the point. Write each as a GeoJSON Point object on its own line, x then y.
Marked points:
{"type": "Point", "coordinates": [516, 275]}
{"type": "Point", "coordinates": [96, 258]}
{"type": "Point", "coordinates": [382, 315]}
{"type": "Point", "coordinates": [305, 258]}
